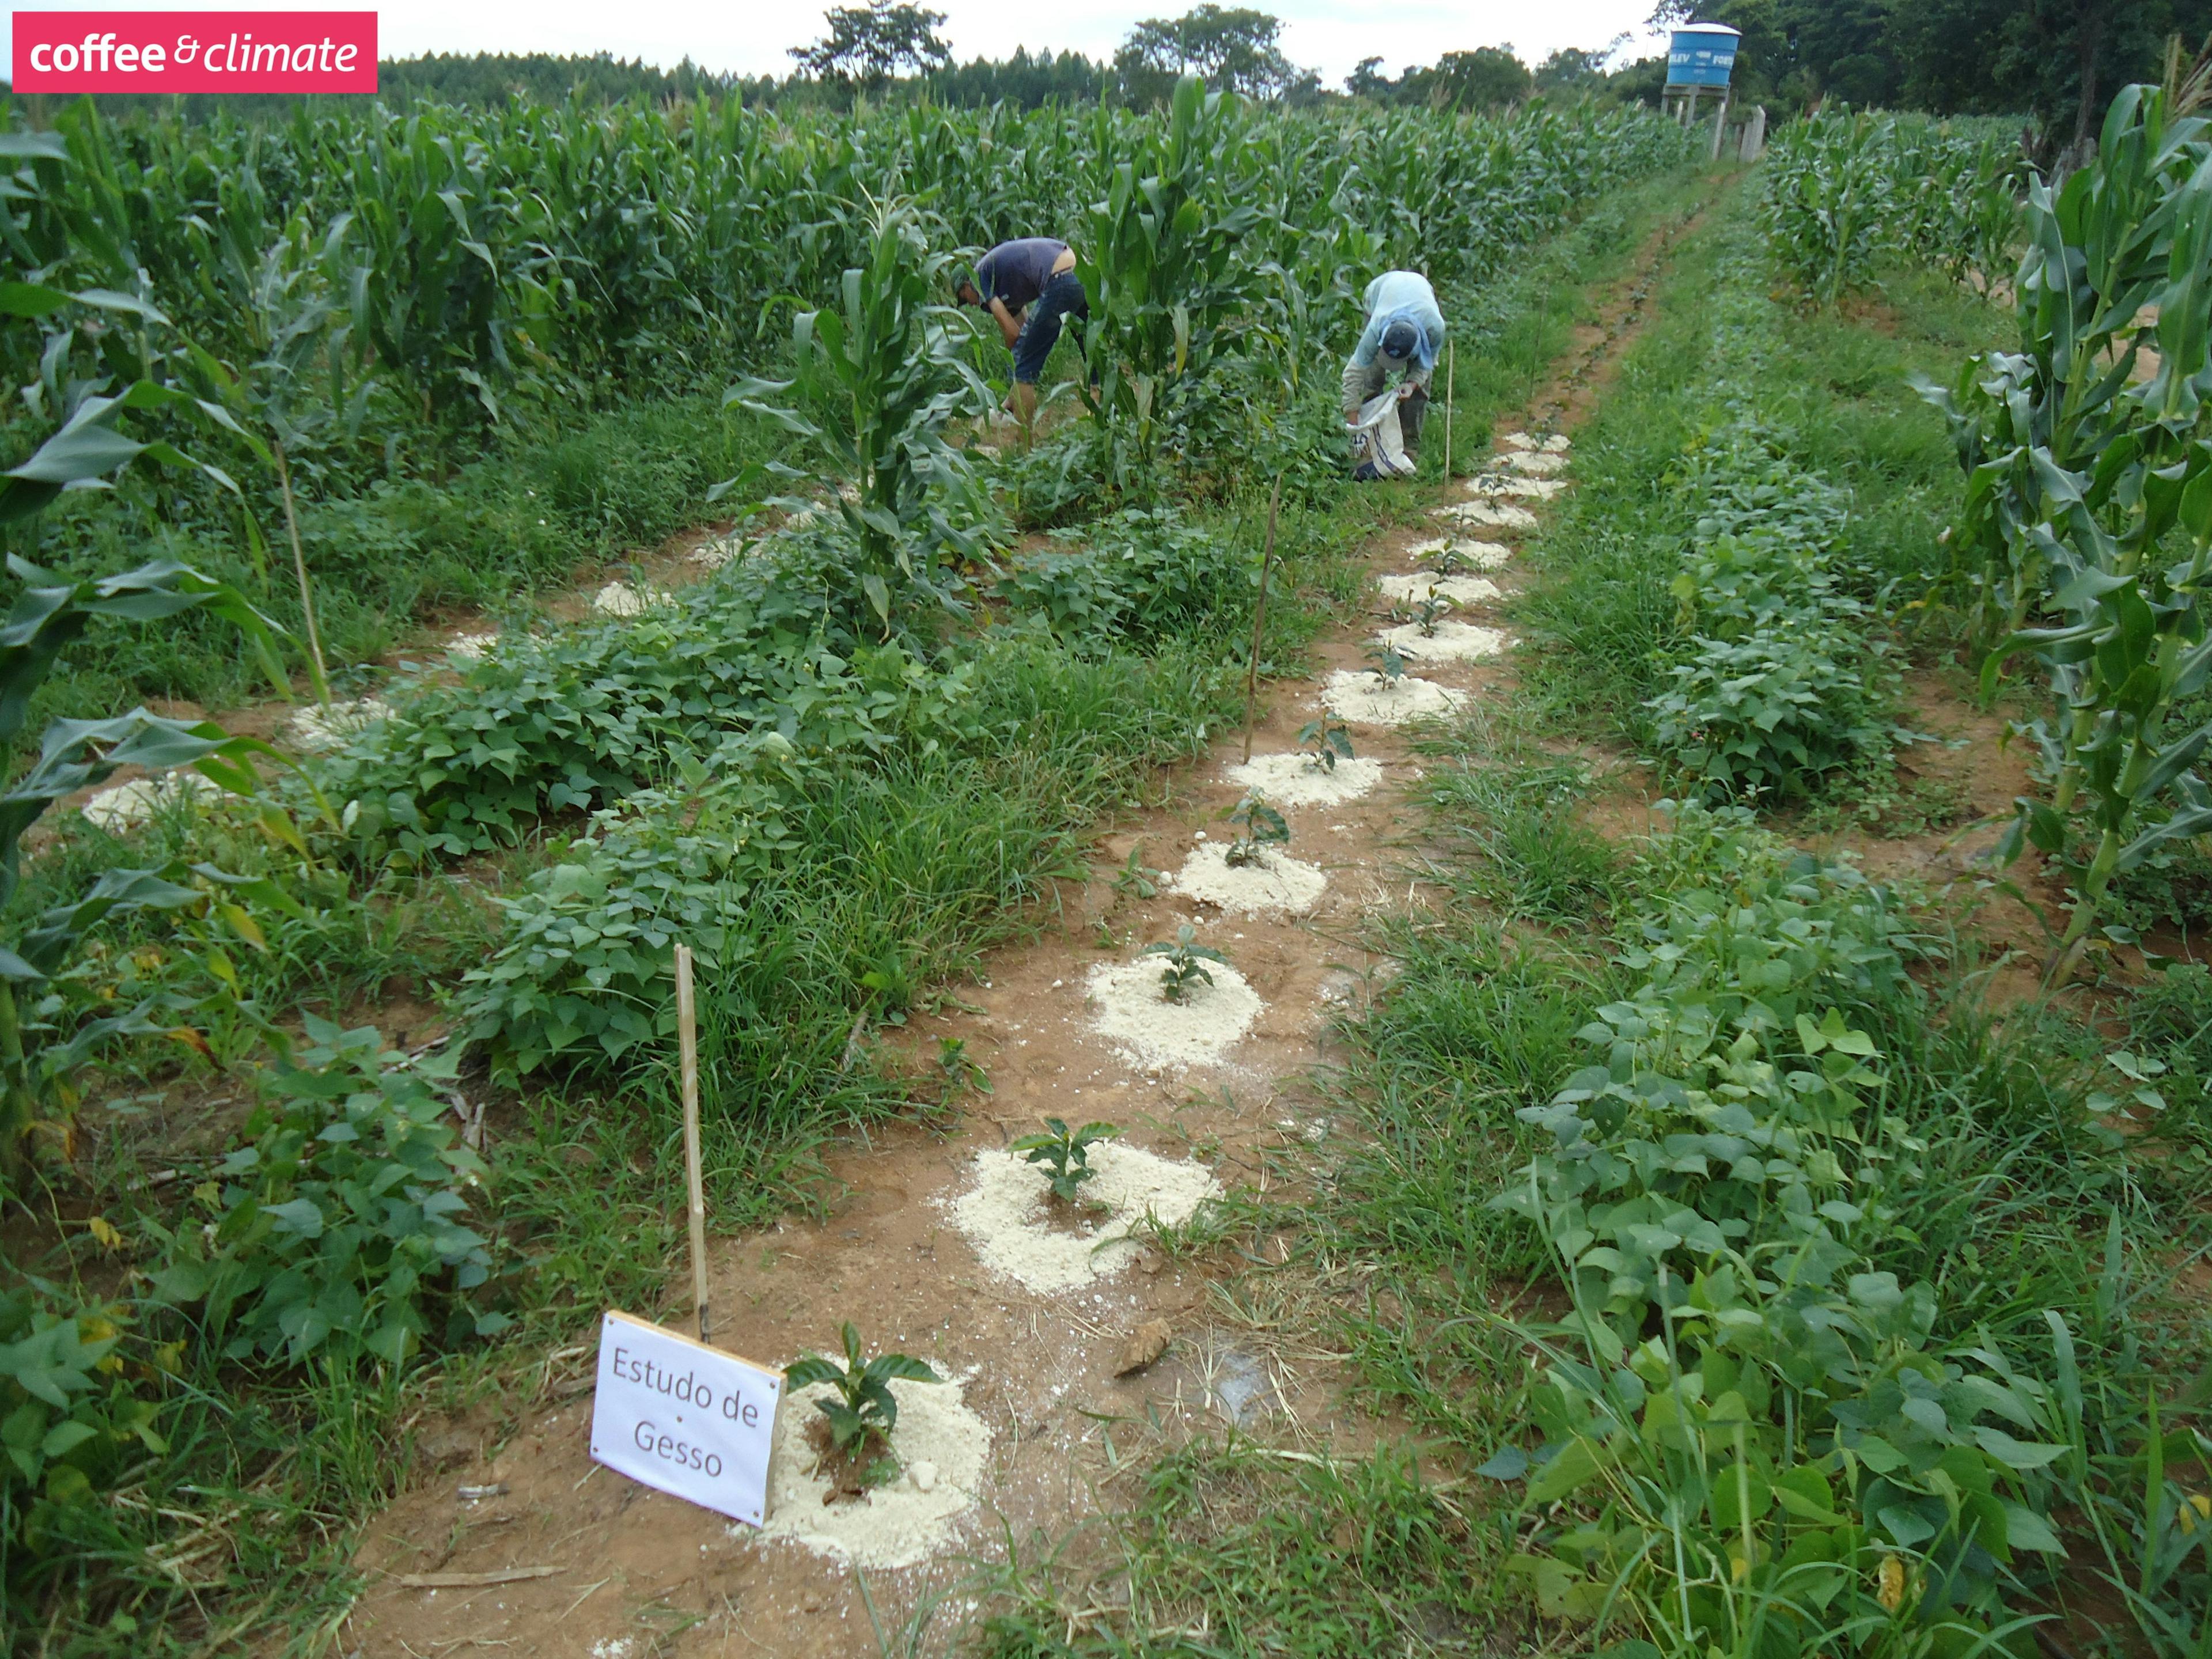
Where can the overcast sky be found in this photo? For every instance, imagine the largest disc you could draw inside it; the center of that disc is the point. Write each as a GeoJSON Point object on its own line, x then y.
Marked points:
{"type": "Point", "coordinates": [1330, 35]}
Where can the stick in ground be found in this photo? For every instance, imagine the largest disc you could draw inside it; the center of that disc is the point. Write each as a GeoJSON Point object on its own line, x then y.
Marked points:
{"type": "Point", "coordinates": [1260, 619]}
{"type": "Point", "coordinates": [687, 1027]}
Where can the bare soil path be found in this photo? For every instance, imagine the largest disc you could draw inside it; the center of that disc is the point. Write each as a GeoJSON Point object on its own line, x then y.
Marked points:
{"type": "Point", "coordinates": [640, 1573]}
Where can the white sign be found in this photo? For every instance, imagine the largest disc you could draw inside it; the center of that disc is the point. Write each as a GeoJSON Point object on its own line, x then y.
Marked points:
{"type": "Point", "coordinates": [684, 1419]}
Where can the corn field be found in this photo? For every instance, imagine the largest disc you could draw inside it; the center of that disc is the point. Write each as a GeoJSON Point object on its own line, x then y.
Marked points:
{"type": "Point", "coordinates": [1845, 192]}
{"type": "Point", "coordinates": [420, 277]}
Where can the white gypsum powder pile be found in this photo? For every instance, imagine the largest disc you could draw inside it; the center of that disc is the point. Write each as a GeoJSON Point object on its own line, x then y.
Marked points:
{"type": "Point", "coordinates": [940, 1445]}
{"type": "Point", "coordinates": [1005, 1213]}
{"type": "Point", "coordinates": [1129, 1009]}
{"type": "Point", "coordinates": [1460, 590]}
{"type": "Point", "coordinates": [128, 806]}
{"type": "Point", "coordinates": [1489, 516]}
{"type": "Point", "coordinates": [1366, 699]}
{"type": "Point", "coordinates": [1475, 556]}
{"type": "Point", "coordinates": [1535, 462]}
{"type": "Point", "coordinates": [1453, 641]}
{"type": "Point", "coordinates": [1557, 444]}
{"type": "Point", "coordinates": [1273, 884]}
{"type": "Point", "coordinates": [1299, 779]}
{"type": "Point", "coordinates": [317, 729]}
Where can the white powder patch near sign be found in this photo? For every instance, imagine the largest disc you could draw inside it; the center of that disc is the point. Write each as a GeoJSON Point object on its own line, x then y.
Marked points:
{"type": "Point", "coordinates": [621, 599]}
{"type": "Point", "coordinates": [1557, 444]}
{"type": "Point", "coordinates": [1129, 1012]}
{"type": "Point", "coordinates": [317, 729]}
{"type": "Point", "coordinates": [1460, 590]}
{"type": "Point", "coordinates": [1490, 516]}
{"type": "Point", "coordinates": [1497, 483]}
{"type": "Point", "coordinates": [1453, 641]}
{"type": "Point", "coordinates": [471, 647]}
{"type": "Point", "coordinates": [128, 806]}
{"type": "Point", "coordinates": [1475, 556]}
{"type": "Point", "coordinates": [1535, 462]}
{"type": "Point", "coordinates": [1275, 883]}
{"type": "Point", "coordinates": [1004, 1215]}
{"type": "Point", "coordinates": [1291, 780]}
{"type": "Point", "coordinates": [940, 1445]}
{"type": "Point", "coordinates": [1364, 699]}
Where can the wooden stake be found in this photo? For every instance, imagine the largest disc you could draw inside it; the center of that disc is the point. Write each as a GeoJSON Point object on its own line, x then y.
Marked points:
{"type": "Point", "coordinates": [1260, 620]}
{"type": "Point", "coordinates": [686, 1030]}
{"type": "Point", "coordinates": [1448, 406]}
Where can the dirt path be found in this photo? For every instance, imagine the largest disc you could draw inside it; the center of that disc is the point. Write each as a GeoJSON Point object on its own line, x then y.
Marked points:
{"type": "Point", "coordinates": [640, 1573]}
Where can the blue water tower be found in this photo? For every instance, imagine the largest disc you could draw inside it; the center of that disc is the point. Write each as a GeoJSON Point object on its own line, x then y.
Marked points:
{"type": "Point", "coordinates": [1701, 58]}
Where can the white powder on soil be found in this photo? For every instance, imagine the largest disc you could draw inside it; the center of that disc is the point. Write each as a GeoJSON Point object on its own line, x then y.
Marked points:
{"type": "Point", "coordinates": [1557, 444]}
{"type": "Point", "coordinates": [1460, 590]}
{"type": "Point", "coordinates": [1003, 1216]}
{"type": "Point", "coordinates": [1289, 780]}
{"type": "Point", "coordinates": [471, 647]}
{"type": "Point", "coordinates": [1277, 885]}
{"type": "Point", "coordinates": [621, 599]}
{"type": "Point", "coordinates": [1364, 699]}
{"type": "Point", "coordinates": [1476, 556]}
{"type": "Point", "coordinates": [128, 806]}
{"type": "Point", "coordinates": [1499, 517]}
{"type": "Point", "coordinates": [1535, 461]}
{"type": "Point", "coordinates": [1128, 1009]}
{"type": "Point", "coordinates": [1493, 484]}
{"type": "Point", "coordinates": [316, 728]}
{"type": "Point", "coordinates": [1452, 642]}
{"type": "Point", "coordinates": [892, 1526]}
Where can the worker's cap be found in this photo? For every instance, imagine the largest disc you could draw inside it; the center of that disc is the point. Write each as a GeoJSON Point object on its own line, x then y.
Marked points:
{"type": "Point", "coordinates": [1400, 341]}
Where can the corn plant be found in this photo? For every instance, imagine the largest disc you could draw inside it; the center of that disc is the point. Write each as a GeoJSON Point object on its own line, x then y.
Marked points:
{"type": "Point", "coordinates": [1186, 962]}
{"type": "Point", "coordinates": [1325, 741]}
{"type": "Point", "coordinates": [1259, 826]}
{"type": "Point", "coordinates": [2085, 540]}
{"type": "Point", "coordinates": [878, 377]}
{"type": "Point", "coordinates": [1156, 258]}
{"type": "Point", "coordinates": [1065, 1154]}
{"type": "Point", "coordinates": [862, 1411]}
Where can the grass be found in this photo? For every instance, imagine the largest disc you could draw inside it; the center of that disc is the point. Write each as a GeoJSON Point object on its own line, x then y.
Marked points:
{"type": "Point", "coordinates": [542, 508]}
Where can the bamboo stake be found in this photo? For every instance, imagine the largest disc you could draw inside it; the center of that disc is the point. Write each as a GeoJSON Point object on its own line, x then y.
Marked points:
{"type": "Point", "coordinates": [320, 675]}
{"type": "Point", "coordinates": [687, 1028]}
{"type": "Point", "coordinates": [1448, 406]}
{"type": "Point", "coordinates": [1260, 620]}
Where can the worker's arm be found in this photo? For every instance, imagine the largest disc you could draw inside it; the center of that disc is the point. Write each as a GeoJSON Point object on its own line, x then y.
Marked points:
{"type": "Point", "coordinates": [1009, 325]}
{"type": "Point", "coordinates": [1361, 382]}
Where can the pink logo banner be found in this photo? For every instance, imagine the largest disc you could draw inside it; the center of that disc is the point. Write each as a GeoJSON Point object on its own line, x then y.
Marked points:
{"type": "Point", "coordinates": [73, 52]}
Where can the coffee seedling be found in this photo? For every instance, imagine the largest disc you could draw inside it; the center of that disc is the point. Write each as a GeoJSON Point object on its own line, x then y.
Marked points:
{"type": "Point", "coordinates": [1259, 825]}
{"type": "Point", "coordinates": [1451, 562]}
{"type": "Point", "coordinates": [863, 1411]}
{"type": "Point", "coordinates": [1388, 660]}
{"type": "Point", "coordinates": [1324, 742]}
{"type": "Point", "coordinates": [1065, 1157]}
{"type": "Point", "coordinates": [1432, 612]}
{"type": "Point", "coordinates": [1186, 962]}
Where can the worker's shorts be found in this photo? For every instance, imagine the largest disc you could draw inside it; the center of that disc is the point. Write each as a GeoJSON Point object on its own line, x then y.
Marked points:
{"type": "Point", "coordinates": [1063, 296]}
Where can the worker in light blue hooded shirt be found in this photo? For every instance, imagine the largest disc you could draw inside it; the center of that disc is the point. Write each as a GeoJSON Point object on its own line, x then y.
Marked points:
{"type": "Point", "coordinates": [1405, 334]}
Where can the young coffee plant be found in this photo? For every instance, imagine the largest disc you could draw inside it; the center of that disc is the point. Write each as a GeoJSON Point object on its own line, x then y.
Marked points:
{"type": "Point", "coordinates": [1259, 825]}
{"type": "Point", "coordinates": [1430, 612]}
{"type": "Point", "coordinates": [1324, 742]}
{"type": "Point", "coordinates": [1186, 962]}
{"type": "Point", "coordinates": [1065, 1156]}
{"type": "Point", "coordinates": [1387, 661]}
{"type": "Point", "coordinates": [863, 1411]}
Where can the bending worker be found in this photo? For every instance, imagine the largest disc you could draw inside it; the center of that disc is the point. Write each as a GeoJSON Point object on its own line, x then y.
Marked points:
{"type": "Point", "coordinates": [1405, 332]}
{"type": "Point", "coordinates": [1027, 286]}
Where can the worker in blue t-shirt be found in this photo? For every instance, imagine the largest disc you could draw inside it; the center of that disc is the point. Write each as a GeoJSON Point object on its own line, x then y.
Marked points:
{"type": "Point", "coordinates": [1405, 332]}
{"type": "Point", "coordinates": [1027, 286]}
